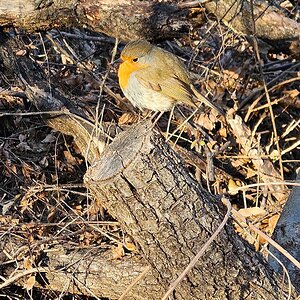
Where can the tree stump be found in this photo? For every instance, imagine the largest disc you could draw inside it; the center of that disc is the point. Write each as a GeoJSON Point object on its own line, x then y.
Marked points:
{"type": "Point", "coordinates": [143, 184]}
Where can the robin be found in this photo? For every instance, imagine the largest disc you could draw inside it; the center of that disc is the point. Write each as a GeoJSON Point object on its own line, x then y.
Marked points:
{"type": "Point", "coordinates": [155, 79]}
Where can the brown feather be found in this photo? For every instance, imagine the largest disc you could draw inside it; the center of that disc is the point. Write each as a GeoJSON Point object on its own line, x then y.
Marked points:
{"type": "Point", "coordinates": [164, 72]}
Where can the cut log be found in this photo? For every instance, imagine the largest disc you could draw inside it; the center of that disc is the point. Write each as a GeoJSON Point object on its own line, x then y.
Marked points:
{"type": "Point", "coordinates": [262, 20]}
{"type": "Point", "coordinates": [134, 19]}
{"type": "Point", "coordinates": [286, 234]}
{"type": "Point", "coordinates": [143, 184]}
{"type": "Point", "coordinates": [90, 272]}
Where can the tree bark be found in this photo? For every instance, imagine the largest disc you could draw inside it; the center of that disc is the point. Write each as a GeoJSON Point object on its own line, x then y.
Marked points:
{"type": "Point", "coordinates": [260, 20]}
{"type": "Point", "coordinates": [144, 185]}
{"type": "Point", "coordinates": [133, 19]}
{"type": "Point", "coordinates": [284, 235]}
{"type": "Point", "coordinates": [78, 271]}
{"type": "Point", "coordinates": [142, 182]}
{"type": "Point", "coordinates": [238, 15]}
{"type": "Point", "coordinates": [125, 19]}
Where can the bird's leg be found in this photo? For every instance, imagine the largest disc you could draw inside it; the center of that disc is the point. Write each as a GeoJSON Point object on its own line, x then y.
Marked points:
{"type": "Point", "coordinates": [148, 114]}
{"type": "Point", "coordinates": [181, 126]}
{"type": "Point", "coordinates": [158, 117]}
{"type": "Point", "coordinates": [156, 120]}
{"type": "Point", "coordinates": [140, 115]}
{"type": "Point", "coordinates": [144, 114]}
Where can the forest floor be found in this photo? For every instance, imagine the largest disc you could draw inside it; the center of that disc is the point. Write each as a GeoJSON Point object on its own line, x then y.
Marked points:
{"type": "Point", "coordinates": [42, 195]}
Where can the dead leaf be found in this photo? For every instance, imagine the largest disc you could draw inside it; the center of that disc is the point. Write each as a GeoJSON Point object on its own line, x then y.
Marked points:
{"type": "Point", "coordinates": [128, 118]}
{"type": "Point", "coordinates": [86, 238]}
{"type": "Point", "coordinates": [44, 162]}
{"type": "Point", "coordinates": [8, 220]}
{"type": "Point", "coordinates": [25, 203]}
{"type": "Point", "coordinates": [118, 251]}
{"type": "Point", "coordinates": [292, 93]}
{"type": "Point", "coordinates": [274, 155]}
{"type": "Point", "coordinates": [70, 158]}
{"type": "Point", "coordinates": [194, 144]}
{"type": "Point", "coordinates": [26, 170]}
{"type": "Point", "coordinates": [252, 212]}
{"type": "Point", "coordinates": [130, 247]}
{"type": "Point", "coordinates": [23, 146]}
{"type": "Point", "coordinates": [50, 138]}
{"type": "Point", "coordinates": [223, 132]}
{"type": "Point", "coordinates": [272, 221]}
{"type": "Point", "coordinates": [28, 285]}
{"type": "Point", "coordinates": [230, 78]}
{"type": "Point", "coordinates": [27, 263]}
{"type": "Point", "coordinates": [21, 52]}
{"type": "Point", "coordinates": [233, 187]}
{"type": "Point", "coordinates": [206, 121]}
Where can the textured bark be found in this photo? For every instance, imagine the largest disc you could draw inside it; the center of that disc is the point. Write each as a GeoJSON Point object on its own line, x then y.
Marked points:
{"type": "Point", "coordinates": [238, 15]}
{"type": "Point", "coordinates": [287, 235]}
{"type": "Point", "coordinates": [132, 19]}
{"type": "Point", "coordinates": [144, 185]}
{"type": "Point", "coordinates": [125, 19]}
{"type": "Point", "coordinates": [81, 271]}
{"type": "Point", "coordinates": [91, 272]}
{"type": "Point", "coordinates": [270, 25]}
{"type": "Point", "coordinates": [33, 15]}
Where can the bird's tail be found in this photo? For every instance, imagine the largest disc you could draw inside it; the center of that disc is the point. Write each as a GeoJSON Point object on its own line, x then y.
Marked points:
{"type": "Point", "coordinates": [206, 101]}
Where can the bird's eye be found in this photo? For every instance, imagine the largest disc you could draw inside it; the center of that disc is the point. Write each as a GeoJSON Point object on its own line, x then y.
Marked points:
{"type": "Point", "coordinates": [135, 59]}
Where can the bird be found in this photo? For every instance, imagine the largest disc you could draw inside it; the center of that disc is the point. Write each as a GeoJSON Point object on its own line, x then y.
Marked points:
{"type": "Point", "coordinates": [155, 79]}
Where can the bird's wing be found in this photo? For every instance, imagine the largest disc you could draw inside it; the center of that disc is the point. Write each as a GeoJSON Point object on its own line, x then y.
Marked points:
{"type": "Point", "coordinates": [167, 83]}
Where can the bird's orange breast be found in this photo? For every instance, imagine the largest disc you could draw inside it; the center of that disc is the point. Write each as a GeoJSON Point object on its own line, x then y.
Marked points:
{"type": "Point", "coordinates": [125, 70]}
